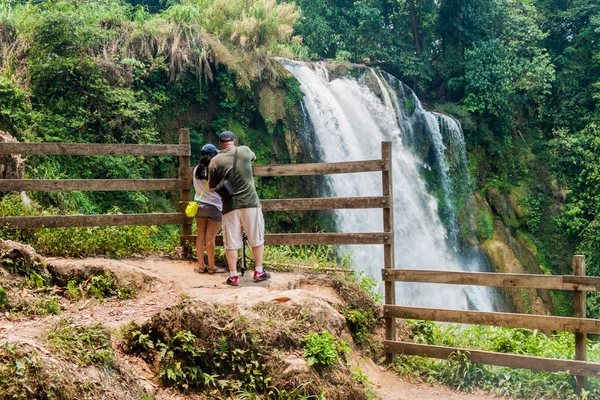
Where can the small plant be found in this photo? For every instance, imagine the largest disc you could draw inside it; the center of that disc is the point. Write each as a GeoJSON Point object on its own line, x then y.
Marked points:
{"type": "Point", "coordinates": [361, 324]}
{"type": "Point", "coordinates": [84, 345]}
{"type": "Point", "coordinates": [16, 373]}
{"type": "Point", "coordinates": [369, 285]}
{"type": "Point", "coordinates": [180, 362]}
{"type": "Point", "coordinates": [46, 305]}
{"type": "Point", "coordinates": [3, 298]}
{"type": "Point", "coordinates": [534, 214]}
{"type": "Point", "coordinates": [99, 286]}
{"type": "Point", "coordinates": [485, 226]}
{"type": "Point", "coordinates": [321, 349]}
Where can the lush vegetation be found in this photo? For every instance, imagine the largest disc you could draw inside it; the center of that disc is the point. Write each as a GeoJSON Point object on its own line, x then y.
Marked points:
{"type": "Point", "coordinates": [109, 72]}
{"type": "Point", "coordinates": [460, 373]}
{"type": "Point", "coordinates": [522, 76]}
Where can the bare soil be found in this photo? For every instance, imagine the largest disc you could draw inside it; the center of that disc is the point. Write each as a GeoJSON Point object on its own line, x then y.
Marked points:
{"type": "Point", "coordinates": [161, 283]}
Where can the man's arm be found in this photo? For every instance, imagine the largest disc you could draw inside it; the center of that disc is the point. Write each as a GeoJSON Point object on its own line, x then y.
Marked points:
{"type": "Point", "coordinates": [212, 178]}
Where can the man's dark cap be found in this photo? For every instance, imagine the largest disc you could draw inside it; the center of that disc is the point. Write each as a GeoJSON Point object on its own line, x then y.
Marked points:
{"type": "Point", "coordinates": [226, 136]}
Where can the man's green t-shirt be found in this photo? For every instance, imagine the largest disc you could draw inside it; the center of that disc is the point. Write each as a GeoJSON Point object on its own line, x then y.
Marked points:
{"type": "Point", "coordinates": [221, 167]}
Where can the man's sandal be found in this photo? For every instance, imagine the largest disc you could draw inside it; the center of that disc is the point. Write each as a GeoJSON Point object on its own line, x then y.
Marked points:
{"type": "Point", "coordinates": [217, 270]}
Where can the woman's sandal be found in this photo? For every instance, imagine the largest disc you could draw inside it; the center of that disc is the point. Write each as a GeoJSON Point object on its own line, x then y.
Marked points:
{"type": "Point", "coordinates": [217, 270]}
{"type": "Point", "coordinates": [203, 270]}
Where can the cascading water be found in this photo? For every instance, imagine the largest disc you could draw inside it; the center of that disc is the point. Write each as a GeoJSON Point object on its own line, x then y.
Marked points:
{"type": "Point", "coordinates": [349, 118]}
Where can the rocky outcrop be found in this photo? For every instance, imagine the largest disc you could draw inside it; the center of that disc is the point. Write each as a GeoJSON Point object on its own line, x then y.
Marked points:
{"type": "Point", "coordinates": [504, 260]}
{"type": "Point", "coordinates": [507, 249]}
{"type": "Point", "coordinates": [12, 166]}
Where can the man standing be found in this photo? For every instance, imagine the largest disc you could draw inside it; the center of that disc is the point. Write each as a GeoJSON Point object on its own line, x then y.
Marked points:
{"type": "Point", "coordinates": [242, 212]}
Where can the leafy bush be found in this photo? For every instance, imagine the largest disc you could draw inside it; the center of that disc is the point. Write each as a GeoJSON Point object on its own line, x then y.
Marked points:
{"type": "Point", "coordinates": [116, 241]}
{"type": "Point", "coordinates": [461, 374]}
{"type": "Point", "coordinates": [180, 362]}
{"type": "Point", "coordinates": [323, 349]}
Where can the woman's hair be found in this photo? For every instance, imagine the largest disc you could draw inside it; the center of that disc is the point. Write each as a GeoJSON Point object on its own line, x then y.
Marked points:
{"type": "Point", "coordinates": [202, 167]}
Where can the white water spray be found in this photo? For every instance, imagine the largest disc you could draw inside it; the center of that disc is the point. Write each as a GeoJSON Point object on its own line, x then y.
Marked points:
{"type": "Point", "coordinates": [349, 122]}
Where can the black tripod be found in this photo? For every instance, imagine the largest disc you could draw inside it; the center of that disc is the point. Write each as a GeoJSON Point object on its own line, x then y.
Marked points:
{"type": "Point", "coordinates": [244, 243]}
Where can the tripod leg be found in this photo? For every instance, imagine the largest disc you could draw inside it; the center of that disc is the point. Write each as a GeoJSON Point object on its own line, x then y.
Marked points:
{"type": "Point", "coordinates": [243, 269]}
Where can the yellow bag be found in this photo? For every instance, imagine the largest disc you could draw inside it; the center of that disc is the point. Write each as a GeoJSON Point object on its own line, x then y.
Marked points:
{"type": "Point", "coordinates": [191, 209]}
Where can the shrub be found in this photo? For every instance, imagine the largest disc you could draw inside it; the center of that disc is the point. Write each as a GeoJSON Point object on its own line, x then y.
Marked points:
{"type": "Point", "coordinates": [322, 349]}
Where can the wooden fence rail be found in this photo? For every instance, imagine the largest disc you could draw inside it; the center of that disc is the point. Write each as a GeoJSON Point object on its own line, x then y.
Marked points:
{"type": "Point", "coordinates": [578, 283]}
{"type": "Point", "coordinates": [183, 184]}
{"type": "Point", "coordinates": [86, 149]}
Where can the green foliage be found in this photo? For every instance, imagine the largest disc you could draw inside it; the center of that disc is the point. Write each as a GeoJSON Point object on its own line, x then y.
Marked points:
{"type": "Point", "coordinates": [533, 210]}
{"type": "Point", "coordinates": [577, 161]}
{"type": "Point", "coordinates": [185, 363]}
{"type": "Point", "coordinates": [99, 286]}
{"type": "Point", "coordinates": [485, 225]}
{"type": "Point", "coordinates": [177, 373]}
{"type": "Point", "coordinates": [3, 298]}
{"type": "Point", "coordinates": [498, 71]}
{"type": "Point", "coordinates": [361, 323]}
{"type": "Point", "coordinates": [83, 345]}
{"type": "Point", "coordinates": [323, 349]}
{"type": "Point", "coordinates": [17, 371]}
{"type": "Point", "coordinates": [80, 242]}
{"type": "Point", "coordinates": [461, 374]}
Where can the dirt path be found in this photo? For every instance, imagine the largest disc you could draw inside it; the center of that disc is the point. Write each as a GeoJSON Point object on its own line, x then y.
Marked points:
{"type": "Point", "coordinates": [165, 281]}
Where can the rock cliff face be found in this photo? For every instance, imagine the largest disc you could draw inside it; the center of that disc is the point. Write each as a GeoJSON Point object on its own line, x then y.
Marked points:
{"type": "Point", "coordinates": [12, 166]}
{"type": "Point", "coordinates": [494, 224]}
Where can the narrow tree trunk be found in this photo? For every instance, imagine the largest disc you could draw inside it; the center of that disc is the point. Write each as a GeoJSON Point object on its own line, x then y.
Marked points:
{"type": "Point", "coordinates": [414, 26]}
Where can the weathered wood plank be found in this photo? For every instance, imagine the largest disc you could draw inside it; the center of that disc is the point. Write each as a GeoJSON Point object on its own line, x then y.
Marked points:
{"type": "Point", "coordinates": [68, 221]}
{"type": "Point", "coordinates": [540, 322]}
{"type": "Point", "coordinates": [555, 282]}
{"type": "Point", "coordinates": [324, 203]}
{"type": "Point", "coordinates": [86, 149]}
{"type": "Point", "coordinates": [319, 168]}
{"type": "Point", "coordinates": [504, 360]}
{"type": "Point", "coordinates": [579, 312]}
{"type": "Point", "coordinates": [388, 248]}
{"type": "Point", "coordinates": [67, 185]}
{"type": "Point", "coordinates": [282, 239]}
{"type": "Point", "coordinates": [184, 194]}
{"type": "Point", "coordinates": [307, 204]}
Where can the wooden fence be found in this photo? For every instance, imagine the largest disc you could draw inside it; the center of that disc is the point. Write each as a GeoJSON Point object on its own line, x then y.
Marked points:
{"type": "Point", "coordinates": [578, 283]}
{"type": "Point", "coordinates": [183, 184]}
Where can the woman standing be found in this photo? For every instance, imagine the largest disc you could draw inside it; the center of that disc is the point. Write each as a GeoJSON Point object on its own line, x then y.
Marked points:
{"type": "Point", "coordinates": [208, 217]}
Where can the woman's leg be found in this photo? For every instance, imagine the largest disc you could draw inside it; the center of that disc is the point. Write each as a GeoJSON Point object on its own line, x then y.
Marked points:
{"type": "Point", "coordinates": [212, 228]}
{"type": "Point", "coordinates": [201, 224]}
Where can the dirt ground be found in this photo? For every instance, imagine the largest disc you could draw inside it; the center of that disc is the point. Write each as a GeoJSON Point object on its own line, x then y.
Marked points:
{"type": "Point", "coordinates": [162, 283]}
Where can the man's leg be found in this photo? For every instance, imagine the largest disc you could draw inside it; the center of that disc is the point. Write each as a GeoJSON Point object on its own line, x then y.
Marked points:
{"type": "Point", "coordinates": [257, 253]}
{"type": "Point", "coordinates": [232, 237]}
{"type": "Point", "coordinates": [254, 225]}
{"type": "Point", "coordinates": [232, 256]}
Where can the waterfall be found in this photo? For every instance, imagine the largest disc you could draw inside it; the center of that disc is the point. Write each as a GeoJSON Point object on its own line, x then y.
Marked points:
{"type": "Point", "coordinates": [349, 118]}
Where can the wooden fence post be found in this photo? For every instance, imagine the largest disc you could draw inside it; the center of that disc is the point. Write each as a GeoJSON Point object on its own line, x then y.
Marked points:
{"type": "Point", "coordinates": [388, 247]}
{"type": "Point", "coordinates": [184, 195]}
{"type": "Point", "coordinates": [579, 312]}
